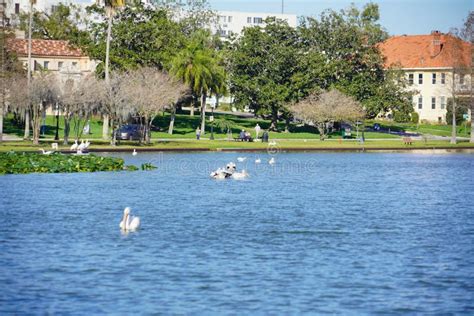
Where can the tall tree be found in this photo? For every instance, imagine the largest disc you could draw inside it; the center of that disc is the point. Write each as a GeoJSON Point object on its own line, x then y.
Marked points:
{"type": "Point", "coordinates": [199, 66]}
{"type": "Point", "coordinates": [265, 68]}
{"type": "Point", "coordinates": [342, 52]}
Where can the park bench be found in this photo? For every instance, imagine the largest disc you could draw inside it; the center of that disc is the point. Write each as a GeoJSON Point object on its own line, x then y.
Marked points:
{"type": "Point", "coordinates": [238, 139]}
{"type": "Point", "coordinates": [407, 141]}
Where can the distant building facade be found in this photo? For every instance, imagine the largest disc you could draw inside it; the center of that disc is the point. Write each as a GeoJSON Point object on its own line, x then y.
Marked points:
{"type": "Point", "coordinates": [55, 56]}
{"type": "Point", "coordinates": [431, 63]}
{"type": "Point", "coordinates": [232, 23]}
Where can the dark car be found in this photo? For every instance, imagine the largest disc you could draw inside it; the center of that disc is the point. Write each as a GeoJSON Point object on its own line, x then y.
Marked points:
{"type": "Point", "coordinates": [129, 132]}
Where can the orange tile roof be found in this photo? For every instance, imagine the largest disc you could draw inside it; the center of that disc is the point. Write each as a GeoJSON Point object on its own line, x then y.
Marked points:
{"type": "Point", "coordinates": [422, 51]}
{"type": "Point", "coordinates": [41, 47]}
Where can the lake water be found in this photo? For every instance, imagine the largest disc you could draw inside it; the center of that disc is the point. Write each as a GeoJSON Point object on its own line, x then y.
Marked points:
{"type": "Point", "coordinates": [334, 233]}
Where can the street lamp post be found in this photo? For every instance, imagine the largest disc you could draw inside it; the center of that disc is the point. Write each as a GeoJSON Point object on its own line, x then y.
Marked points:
{"type": "Point", "coordinates": [56, 137]}
{"type": "Point", "coordinates": [212, 122]}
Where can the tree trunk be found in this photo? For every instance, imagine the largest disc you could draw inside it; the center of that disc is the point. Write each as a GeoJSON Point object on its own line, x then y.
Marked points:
{"type": "Point", "coordinates": [27, 124]}
{"type": "Point", "coordinates": [287, 125]}
{"type": "Point", "coordinates": [191, 113]}
{"type": "Point", "coordinates": [36, 125]}
{"type": "Point", "coordinates": [322, 131]}
{"type": "Point", "coordinates": [105, 124]}
{"type": "Point", "coordinates": [113, 141]}
{"type": "Point", "coordinates": [453, 130]}
{"type": "Point", "coordinates": [1, 123]}
{"type": "Point", "coordinates": [173, 116]}
{"type": "Point", "coordinates": [203, 113]}
{"type": "Point", "coordinates": [273, 125]}
{"type": "Point", "coordinates": [67, 128]}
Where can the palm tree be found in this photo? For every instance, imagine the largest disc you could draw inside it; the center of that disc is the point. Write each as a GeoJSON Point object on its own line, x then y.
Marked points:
{"type": "Point", "coordinates": [110, 8]}
{"type": "Point", "coordinates": [198, 66]}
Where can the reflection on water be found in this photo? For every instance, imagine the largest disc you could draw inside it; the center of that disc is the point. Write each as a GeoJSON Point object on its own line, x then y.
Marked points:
{"type": "Point", "coordinates": [314, 233]}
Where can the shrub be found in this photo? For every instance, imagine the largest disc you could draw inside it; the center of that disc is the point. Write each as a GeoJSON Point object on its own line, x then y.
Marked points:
{"type": "Point", "coordinates": [415, 117]}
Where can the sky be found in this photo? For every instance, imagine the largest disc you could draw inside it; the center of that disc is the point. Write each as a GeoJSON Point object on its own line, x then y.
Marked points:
{"type": "Point", "coordinates": [396, 16]}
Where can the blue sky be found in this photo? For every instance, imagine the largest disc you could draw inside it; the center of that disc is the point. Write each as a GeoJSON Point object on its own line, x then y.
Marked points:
{"type": "Point", "coordinates": [397, 16]}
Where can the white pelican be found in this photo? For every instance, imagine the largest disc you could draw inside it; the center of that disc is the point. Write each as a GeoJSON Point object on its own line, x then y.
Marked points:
{"type": "Point", "coordinates": [49, 152]}
{"type": "Point", "coordinates": [241, 159]}
{"type": "Point", "coordinates": [240, 175]}
{"type": "Point", "coordinates": [87, 144]}
{"type": "Point", "coordinates": [134, 152]}
{"type": "Point", "coordinates": [258, 160]}
{"type": "Point", "coordinates": [75, 145]}
{"type": "Point", "coordinates": [129, 222]}
{"type": "Point", "coordinates": [81, 146]}
{"type": "Point", "coordinates": [272, 161]}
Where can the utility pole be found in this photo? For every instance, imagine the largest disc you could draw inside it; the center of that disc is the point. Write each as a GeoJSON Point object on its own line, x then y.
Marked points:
{"type": "Point", "coordinates": [282, 6]}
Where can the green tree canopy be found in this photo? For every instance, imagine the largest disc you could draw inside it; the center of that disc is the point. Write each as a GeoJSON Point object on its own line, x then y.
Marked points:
{"type": "Point", "coordinates": [265, 68]}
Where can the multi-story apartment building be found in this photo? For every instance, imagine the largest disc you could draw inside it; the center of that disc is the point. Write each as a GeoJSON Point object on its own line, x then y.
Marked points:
{"type": "Point", "coordinates": [233, 22]}
{"type": "Point", "coordinates": [436, 67]}
{"type": "Point", "coordinates": [15, 7]}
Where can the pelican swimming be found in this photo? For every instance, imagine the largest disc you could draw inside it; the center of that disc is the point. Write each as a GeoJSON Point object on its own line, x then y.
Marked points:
{"type": "Point", "coordinates": [258, 160]}
{"type": "Point", "coordinates": [241, 159]}
{"type": "Point", "coordinates": [81, 146]}
{"type": "Point", "coordinates": [240, 175]}
{"type": "Point", "coordinates": [75, 145]}
{"type": "Point", "coordinates": [134, 152]}
{"type": "Point", "coordinates": [129, 222]}
{"type": "Point", "coordinates": [272, 161]}
{"type": "Point", "coordinates": [49, 152]}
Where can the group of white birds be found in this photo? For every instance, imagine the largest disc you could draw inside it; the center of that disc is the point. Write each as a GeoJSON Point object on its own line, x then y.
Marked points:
{"type": "Point", "coordinates": [79, 148]}
{"type": "Point", "coordinates": [258, 160]}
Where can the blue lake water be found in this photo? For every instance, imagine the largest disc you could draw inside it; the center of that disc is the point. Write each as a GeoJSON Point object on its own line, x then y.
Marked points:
{"type": "Point", "coordinates": [315, 233]}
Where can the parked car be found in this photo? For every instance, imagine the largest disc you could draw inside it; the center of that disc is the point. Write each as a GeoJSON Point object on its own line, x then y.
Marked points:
{"type": "Point", "coordinates": [128, 132]}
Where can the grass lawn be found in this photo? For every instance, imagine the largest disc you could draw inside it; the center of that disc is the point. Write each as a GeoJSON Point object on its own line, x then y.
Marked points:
{"type": "Point", "coordinates": [463, 130]}
{"type": "Point", "coordinates": [226, 145]}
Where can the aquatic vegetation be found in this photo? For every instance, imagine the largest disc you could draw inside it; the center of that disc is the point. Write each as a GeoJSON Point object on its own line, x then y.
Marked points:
{"type": "Point", "coordinates": [147, 166]}
{"type": "Point", "coordinates": [19, 163]}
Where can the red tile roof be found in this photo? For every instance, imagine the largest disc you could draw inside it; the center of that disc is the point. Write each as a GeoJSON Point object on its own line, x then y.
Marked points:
{"type": "Point", "coordinates": [426, 51]}
{"type": "Point", "coordinates": [41, 47]}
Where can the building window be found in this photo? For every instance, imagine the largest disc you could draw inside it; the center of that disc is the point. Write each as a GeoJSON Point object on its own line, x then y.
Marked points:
{"type": "Point", "coordinates": [420, 78]}
{"type": "Point", "coordinates": [433, 103]}
{"type": "Point", "coordinates": [74, 65]}
{"type": "Point", "coordinates": [223, 18]}
{"type": "Point", "coordinates": [257, 20]}
{"type": "Point", "coordinates": [433, 78]}
{"type": "Point", "coordinates": [229, 19]}
{"type": "Point", "coordinates": [17, 8]}
{"type": "Point", "coordinates": [249, 20]}
{"type": "Point", "coordinates": [442, 102]}
{"type": "Point", "coordinates": [60, 65]}
{"type": "Point", "coordinates": [443, 78]}
{"type": "Point", "coordinates": [36, 66]}
{"type": "Point", "coordinates": [222, 33]}
{"type": "Point", "coordinates": [46, 65]}
{"type": "Point", "coordinates": [420, 102]}
{"type": "Point", "coordinates": [410, 79]}
{"type": "Point", "coordinates": [461, 79]}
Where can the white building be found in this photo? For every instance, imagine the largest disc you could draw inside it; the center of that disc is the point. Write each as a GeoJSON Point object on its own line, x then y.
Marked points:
{"type": "Point", "coordinates": [429, 62]}
{"type": "Point", "coordinates": [15, 7]}
{"type": "Point", "coordinates": [233, 22]}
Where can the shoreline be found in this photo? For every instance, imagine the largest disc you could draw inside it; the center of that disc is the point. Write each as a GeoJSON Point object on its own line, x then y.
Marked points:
{"type": "Point", "coordinates": [465, 149]}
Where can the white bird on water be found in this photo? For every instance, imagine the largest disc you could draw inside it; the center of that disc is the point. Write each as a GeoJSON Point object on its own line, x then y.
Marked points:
{"type": "Point", "coordinates": [81, 146]}
{"type": "Point", "coordinates": [49, 152]}
{"type": "Point", "coordinates": [74, 146]}
{"type": "Point", "coordinates": [272, 161]}
{"type": "Point", "coordinates": [129, 222]}
{"type": "Point", "coordinates": [241, 159]}
{"type": "Point", "coordinates": [258, 160]}
{"type": "Point", "coordinates": [134, 152]}
{"type": "Point", "coordinates": [240, 175]}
